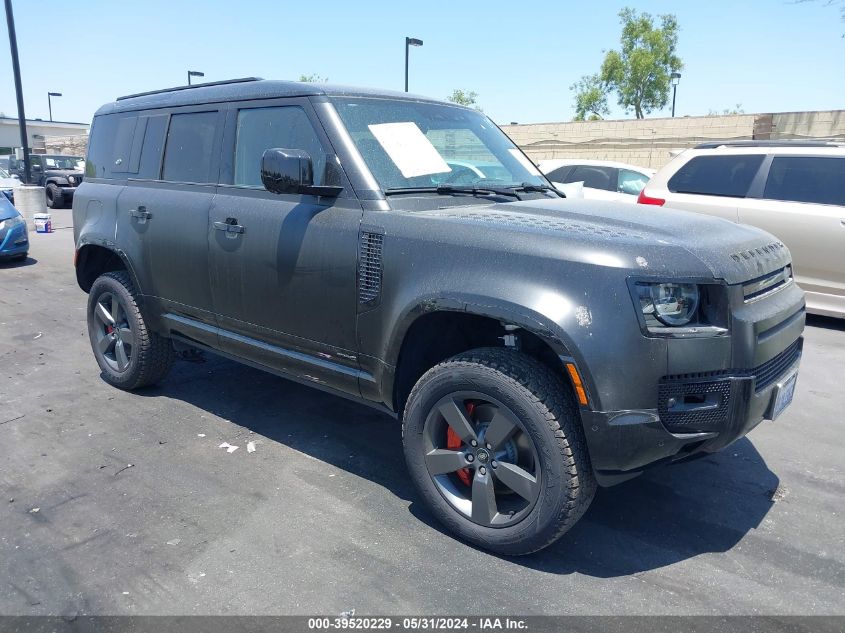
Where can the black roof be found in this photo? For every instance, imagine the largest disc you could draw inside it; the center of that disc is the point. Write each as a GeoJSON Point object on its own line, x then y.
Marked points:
{"type": "Point", "coordinates": [242, 89]}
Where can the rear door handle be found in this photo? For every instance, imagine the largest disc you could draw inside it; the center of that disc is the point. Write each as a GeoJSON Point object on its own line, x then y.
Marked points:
{"type": "Point", "coordinates": [229, 226]}
{"type": "Point", "coordinates": [141, 213]}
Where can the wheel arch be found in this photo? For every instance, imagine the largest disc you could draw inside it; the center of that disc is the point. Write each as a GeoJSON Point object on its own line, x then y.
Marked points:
{"type": "Point", "coordinates": [436, 329]}
{"type": "Point", "coordinates": [92, 259]}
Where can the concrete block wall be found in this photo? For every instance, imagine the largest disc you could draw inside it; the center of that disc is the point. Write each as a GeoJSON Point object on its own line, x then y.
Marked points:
{"type": "Point", "coordinates": [648, 142]}
{"type": "Point", "coordinates": [69, 145]}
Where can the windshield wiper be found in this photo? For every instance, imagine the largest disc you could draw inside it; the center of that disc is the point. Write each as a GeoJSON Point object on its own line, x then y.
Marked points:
{"type": "Point", "coordinates": [529, 188]}
{"type": "Point", "coordinates": [451, 189]}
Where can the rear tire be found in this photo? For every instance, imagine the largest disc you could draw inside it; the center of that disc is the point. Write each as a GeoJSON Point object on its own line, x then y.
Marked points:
{"type": "Point", "coordinates": [128, 353]}
{"type": "Point", "coordinates": [545, 448]}
{"type": "Point", "coordinates": [55, 197]}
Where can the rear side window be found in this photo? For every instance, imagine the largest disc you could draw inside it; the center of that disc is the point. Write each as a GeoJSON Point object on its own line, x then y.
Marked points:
{"type": "Point", "coordinates": [729, 176]}
{"type": "Point", "coordinates": [285, 127]}
{"type": "Point", "coordinates": [559, 174]}
{"type": "Point", "coordinates": [189, 152]}
{"type": "Point", "coordinates": [594, 177]}
{"type": "Point", "coordinates": [820, 180]}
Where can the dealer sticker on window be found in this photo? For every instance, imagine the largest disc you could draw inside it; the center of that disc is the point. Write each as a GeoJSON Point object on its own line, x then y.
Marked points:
{"type": "Point", "coordinates": [409, 149]}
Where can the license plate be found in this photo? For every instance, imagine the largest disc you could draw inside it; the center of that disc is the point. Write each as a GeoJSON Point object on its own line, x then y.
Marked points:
{"type": "Point", "coordinates": [784, 395]}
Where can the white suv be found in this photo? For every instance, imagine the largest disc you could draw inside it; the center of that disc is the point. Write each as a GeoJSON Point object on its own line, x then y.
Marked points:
{"type": "Point", "coordinates": [796, 191]}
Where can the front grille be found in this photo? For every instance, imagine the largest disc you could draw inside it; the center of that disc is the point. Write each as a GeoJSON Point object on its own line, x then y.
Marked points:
{"type": "Point", "coordinates": [369, 267]}
{"type": "Point", "coordinates": [767, 284]}
{"type": "Point", "coordinates": [771, 370]}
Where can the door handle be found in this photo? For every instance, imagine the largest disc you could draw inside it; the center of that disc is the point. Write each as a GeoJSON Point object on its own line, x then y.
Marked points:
{"type": "Point", "coordinates": [141, 213]}
{"type": "Point", "coordinates": [229, 226]}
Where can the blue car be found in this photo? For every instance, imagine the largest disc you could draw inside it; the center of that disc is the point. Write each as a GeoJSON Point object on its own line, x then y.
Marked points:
{"type": "Point", "coordinates": [14, 240]}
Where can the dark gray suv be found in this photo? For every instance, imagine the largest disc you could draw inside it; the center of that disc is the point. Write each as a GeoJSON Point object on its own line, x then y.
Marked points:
{"type": "Point", "coordinates": [404, 252]}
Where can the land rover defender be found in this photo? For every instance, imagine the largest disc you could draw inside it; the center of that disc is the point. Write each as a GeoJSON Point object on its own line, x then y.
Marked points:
{"type": "Point", "coordinates": [404, 252]}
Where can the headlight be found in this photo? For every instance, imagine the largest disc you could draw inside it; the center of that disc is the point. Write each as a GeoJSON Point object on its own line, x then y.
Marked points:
{"type": "Point", "coordinates": [672, 304]}
{"type": "Point", "coordinates": [71, 180]}
{"type": "Point", "coordinates": [12, 223]}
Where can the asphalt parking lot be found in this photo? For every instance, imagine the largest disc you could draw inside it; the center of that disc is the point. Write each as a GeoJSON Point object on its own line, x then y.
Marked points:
{"type": "Point", "coordinates": [123, 503]}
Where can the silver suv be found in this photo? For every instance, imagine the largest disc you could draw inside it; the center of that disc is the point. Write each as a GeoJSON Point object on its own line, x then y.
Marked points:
{"type": "Point", "coordinates": [794, 190]}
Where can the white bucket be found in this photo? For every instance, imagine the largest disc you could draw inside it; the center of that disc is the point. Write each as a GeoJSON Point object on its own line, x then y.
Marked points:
{"type": "Point", "coordinates": [43, 223]}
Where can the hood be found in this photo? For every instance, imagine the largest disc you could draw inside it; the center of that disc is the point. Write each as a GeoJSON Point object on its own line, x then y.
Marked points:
{"type": "Point", "coordinates": [650, 239]}
{"type": "Point", "coordinates": [9, 183]}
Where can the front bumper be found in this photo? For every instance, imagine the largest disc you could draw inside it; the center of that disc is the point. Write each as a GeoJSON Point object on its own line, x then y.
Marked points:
{"type": "Point", "coordinates": [715, 392]}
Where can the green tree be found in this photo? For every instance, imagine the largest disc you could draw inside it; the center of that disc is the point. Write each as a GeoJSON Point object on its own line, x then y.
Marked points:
{"type": "Point", "coordinates": [590, 98]}
{"type": "Point", "coordinates": [639, 72]}
{"type": "Point", "coordinates": [467, 98]}
{"type": "Point", "coordinates": [313, 78]}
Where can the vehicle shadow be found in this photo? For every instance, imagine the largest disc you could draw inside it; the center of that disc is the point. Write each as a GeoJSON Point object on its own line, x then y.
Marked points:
{"type": "Point", "coordinates": [667, 515]}
{"type": "Point", "coordinates": [17, 263]}
{"type": "Point", "coordinates": [828, 323]}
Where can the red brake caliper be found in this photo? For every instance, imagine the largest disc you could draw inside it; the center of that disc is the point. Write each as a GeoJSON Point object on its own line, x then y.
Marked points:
{"type": "Point", "coordinates": [454, 443]}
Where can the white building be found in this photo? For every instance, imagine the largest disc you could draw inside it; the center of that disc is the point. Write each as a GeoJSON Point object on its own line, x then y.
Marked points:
{"type": "Point", "coordinates": [36, 131]}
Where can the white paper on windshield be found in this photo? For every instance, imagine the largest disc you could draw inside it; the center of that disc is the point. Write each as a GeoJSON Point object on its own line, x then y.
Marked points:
{"type": "Point", "coordinates": [523, 160]}
{"type": "Point", "coordinates": [409, 148]}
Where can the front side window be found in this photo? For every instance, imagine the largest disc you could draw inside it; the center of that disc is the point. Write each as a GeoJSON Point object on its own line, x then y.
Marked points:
{"type": "Point", "coordinates": [729, 175]}
{"type": "Point", "coordinates": [285, 127]}
{"type": "Point", "coordinates": [410, 144]}
{"type": "Point", "coordinates": [189, 149]}
{"type": "Point", "coordinates": [631, 182]}
{"type": "Point", "coordinates": [819, 180]}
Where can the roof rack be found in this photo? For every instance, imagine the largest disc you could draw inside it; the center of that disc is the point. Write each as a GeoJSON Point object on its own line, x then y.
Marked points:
{"type": "Point", "coordinates": [191, 87]}
{"type": "Point", "coordinates": [770, 143]}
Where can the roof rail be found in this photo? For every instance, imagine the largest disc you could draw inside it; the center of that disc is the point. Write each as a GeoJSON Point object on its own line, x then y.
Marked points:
{"type": "Point", "coordinates": [770, 143]}
{"type": "Point", "coordinates": [191, 87]}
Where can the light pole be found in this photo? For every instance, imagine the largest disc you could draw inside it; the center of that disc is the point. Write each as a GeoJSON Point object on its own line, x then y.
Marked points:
{"type": "Point", "coordinates": [50, 95]}
{"type": "Point", "coordinates": [194, 73]}
{"type": "Point", "coordinates": [675, 78]}
{"type": "Point", "coordinates": [409, 41]}
{"type": "Point", "coordinates": [16, 71]}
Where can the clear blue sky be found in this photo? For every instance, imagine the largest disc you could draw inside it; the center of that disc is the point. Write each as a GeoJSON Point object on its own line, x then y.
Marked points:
{"type": "Point", "coordinates": [768, 55]}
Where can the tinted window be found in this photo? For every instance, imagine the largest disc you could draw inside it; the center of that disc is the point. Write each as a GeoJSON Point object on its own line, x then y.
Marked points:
{"type": "Point", "coordinates": [806, 179]}
{"type": "Point", "coordinates": [100, 145]}
{"type": "Point", "coordinates": [189, 150]}
{"type": "Point", "coordinates": [593, 177]}
{"type": "Point", "coordinates": [631, 182]}
{"type": "Point", "coordinates": [717, 175]}
{"type": "Point", "coordinates": [154, 128]}
{"type": "Point", "coordinates": [260, 129]}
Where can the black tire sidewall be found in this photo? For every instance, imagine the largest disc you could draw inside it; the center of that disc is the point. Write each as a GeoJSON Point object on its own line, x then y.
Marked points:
{"type": "Point", "coordinates": [54, 196]}
{"type": "Point", "coordinates": [537, 528]}
{"type": "Point", "coordinates": [108, 284]}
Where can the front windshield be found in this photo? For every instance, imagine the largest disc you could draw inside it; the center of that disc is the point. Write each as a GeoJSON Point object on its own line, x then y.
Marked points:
{"type": "Point", "coordinates": [61, 162]}
{"type": "Point", "coordinates": [412, 144]}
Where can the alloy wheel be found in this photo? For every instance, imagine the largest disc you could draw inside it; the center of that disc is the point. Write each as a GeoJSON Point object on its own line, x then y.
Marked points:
{"type": "Point", "coordinates": [481, 459]}
{"type": "Point", "coordinates": [113, 336]}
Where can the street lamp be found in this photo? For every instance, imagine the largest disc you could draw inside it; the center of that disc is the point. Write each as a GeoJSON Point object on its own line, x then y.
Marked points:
{"type": "Point", "coordinates": [50, 95]}
{"type": "Point", "coordinates": [409, 41]}
{"type": "Point", "coordinates": [194, 73]}
{"type": "Point", "coordinates": [675, 78]}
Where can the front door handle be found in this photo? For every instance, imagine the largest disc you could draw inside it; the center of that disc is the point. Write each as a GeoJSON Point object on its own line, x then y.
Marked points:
{"type": "Point", "coordinates": [230, 226]}
{"type": "Point", "coordinates": [141, 213]}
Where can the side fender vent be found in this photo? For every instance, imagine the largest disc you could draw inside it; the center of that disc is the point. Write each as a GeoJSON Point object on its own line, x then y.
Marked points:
{"type": "Point", "coordinates": [369, 267]}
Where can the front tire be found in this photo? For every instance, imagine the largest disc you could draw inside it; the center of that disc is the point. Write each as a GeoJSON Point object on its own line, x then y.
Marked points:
{"type": "Point", "coordinates": [55, 197]}
{"type": "Point", "coordinates": [128, 353]}
{"type": "Point", "coordinates": [494, 444]}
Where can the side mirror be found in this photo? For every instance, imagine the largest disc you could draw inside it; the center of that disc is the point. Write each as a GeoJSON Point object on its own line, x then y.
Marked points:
{"type": "Point", "coordinates": [291, 171]}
